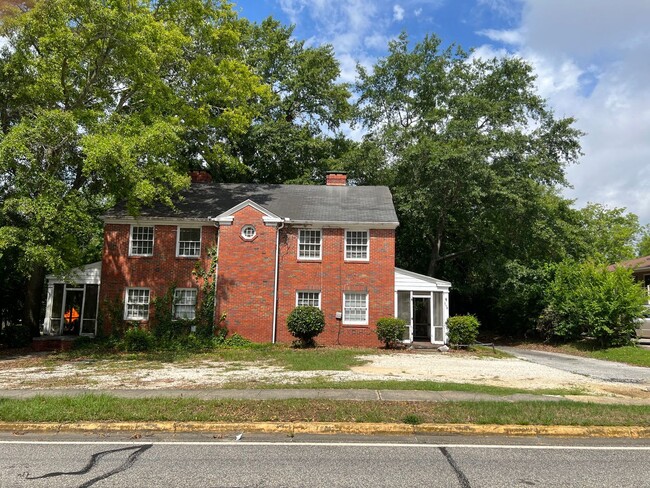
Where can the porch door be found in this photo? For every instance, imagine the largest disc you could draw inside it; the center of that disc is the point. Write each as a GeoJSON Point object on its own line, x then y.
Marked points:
{"type": "Point", "coordinates": [422, 318]}
{"type": "Point", "coordinates": [72, 311]}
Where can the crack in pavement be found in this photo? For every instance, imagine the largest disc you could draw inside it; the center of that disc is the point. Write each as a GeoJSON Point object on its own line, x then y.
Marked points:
{"type": "Point", "coordinates": [133, 457]}
{"type": "Point", "coordinates": [462, 479]}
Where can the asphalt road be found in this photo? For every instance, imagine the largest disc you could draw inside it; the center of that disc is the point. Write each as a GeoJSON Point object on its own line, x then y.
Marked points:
{"type": "Point", "coordinates": [62, 461]}
{"type": "Point", "coordinates": [592, 368]}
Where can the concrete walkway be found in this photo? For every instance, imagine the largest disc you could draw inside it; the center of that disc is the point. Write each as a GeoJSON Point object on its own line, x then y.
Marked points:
{"type": "Point", "coordinates": [593, 368]}
{"type": "Point", "coordinates": [324, 394]}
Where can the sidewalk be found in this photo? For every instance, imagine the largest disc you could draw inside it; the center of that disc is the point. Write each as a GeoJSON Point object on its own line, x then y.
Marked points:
{"type": "Point", "coordinates": [322, 394]}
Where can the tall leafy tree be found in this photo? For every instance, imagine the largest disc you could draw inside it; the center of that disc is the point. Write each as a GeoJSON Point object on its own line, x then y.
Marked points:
{"type": "Point", "coordinates": [103, 100]}
{"type": "Point", "coordinates": [297, 135]}
{"type": "Point", "coordinates": [470, 146]}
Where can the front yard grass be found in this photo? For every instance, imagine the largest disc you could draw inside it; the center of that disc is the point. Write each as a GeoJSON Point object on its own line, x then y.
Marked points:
{"type": "Point", "coordinates": [634, 355]}
{"type": "Point", "coordinates": [111, 409]}
{"type": "Point", "coordinates": [320, 358]}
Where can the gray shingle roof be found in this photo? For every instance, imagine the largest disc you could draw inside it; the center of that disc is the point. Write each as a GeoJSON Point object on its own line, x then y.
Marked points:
{"type": "Point", "coordinates": [303, 203]}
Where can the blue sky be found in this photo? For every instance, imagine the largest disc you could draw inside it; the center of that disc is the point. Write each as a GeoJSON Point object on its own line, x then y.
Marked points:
{"type": "Point", "coordinates": [592, 59]}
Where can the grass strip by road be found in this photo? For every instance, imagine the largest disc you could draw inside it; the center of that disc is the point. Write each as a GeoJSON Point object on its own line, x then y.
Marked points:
{"type": "Point", "coordinates": [419, 385]}
{"type": "Point", "coordinates": [105, 408]}
{"type": "Point", "coordinates": [634, 355]}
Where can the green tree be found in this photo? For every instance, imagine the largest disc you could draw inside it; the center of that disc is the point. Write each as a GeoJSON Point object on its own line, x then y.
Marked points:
{"type": "Point", "coordinates": [467, 143]}
{"type": "Point", "coordinates": [608, 234]}
{"type": "Point", "coordinates": [296, 137]}
{"type": "Point", "coordinates": [643, 246]}
{"type": "Point", "coordinates": [105, 100]}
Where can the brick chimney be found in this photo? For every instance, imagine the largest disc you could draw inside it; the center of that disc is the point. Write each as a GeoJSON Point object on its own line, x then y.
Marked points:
{"type": "Point", "coordinates": [200, 177]}
{"type": "Point", "coordinates": [336, 178]}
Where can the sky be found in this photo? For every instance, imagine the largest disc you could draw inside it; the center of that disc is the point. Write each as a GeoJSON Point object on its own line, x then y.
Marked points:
{"type": "Point", "coordinates": [591, 57]}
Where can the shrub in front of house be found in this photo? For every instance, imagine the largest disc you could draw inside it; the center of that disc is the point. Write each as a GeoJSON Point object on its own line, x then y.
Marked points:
{"type": "Point", "coordinates": [138, 340]}
{"type": "Point", "coordinates": [305, 323]}
{"type": "Point", "coordinates": [588, 300]}
{"type": "Point", "coordinates": [462, 330]}
{"type": "Point", "coordinates": [390, 331]}
{"type": "Point", "coordinates": [16, 336]}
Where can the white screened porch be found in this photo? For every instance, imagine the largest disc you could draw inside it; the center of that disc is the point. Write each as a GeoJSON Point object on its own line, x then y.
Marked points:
{"type": "Point", "coordinates": [73, 301]}
{"type": "Point", "coordinates": [423, 303]}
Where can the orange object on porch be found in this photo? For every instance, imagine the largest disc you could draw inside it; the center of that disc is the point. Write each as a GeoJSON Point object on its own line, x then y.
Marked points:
{"type": "Point", "coordinates": [71, 316]}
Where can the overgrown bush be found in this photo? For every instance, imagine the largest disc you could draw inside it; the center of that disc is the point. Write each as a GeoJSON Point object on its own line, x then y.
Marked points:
{"type": "Point", "coordinates": [16, 336]}
{"type": "Point", "coordinates": [462, 329]}
{"type": "Point", "coordinates": [305, 323]}
{"type": "Point", "coordinates": [138, 340]}
{"type": "Point", "coordinates": [586, 299]}
{"type": "Point", "coordinates": [390, 331]}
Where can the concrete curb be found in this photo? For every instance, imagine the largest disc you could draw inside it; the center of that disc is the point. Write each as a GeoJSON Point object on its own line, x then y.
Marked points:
{"type": "Point", "coordinates": [294, 428]}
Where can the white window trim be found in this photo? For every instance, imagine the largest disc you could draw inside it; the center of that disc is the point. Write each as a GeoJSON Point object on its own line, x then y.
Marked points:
{"type": "Point", "coordinates": [126, 303]}
{"type": "Point", "coordinates": [153, 240]}
{"type": "Point", "coordinates": [196, 299]}
{"type": "Point", "coordinates": [320, 254]}
{"type": "Point", "coordinates": [309, 291]}
{"type": "Point", "coordinates": [356, 322]}
{"type": "Point", "coordinates": [345, 245]}
{"type": "Point", "coordinates": [248, 226]}
{"type": "Point", "coordinates": [178, 240]}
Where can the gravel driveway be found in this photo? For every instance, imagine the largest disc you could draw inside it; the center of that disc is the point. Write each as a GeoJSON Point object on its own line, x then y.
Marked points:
{"type": "Point", "coordinates": [106, 375]}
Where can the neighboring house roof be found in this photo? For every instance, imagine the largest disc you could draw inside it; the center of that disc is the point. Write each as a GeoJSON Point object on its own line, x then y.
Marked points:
{"type": "Point", "coordinates": [298, 203]}
{"type": "Point", "coordinates": [637, 264]}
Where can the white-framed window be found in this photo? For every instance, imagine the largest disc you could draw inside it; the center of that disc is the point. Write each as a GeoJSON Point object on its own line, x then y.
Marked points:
{"type": "Point", "coordinates": [248, 232]}
{"type": "Point", "coordinates": [141, 240]}
{"type": "Point", "coordinates": [188, 242]}
{"type": "Point", "coordinates": [357, 245]}
{"type": "Point", "coordinates": [308, 299]}
{"type": "Point", "coordinates": [184, 303]}
{"type": "Point", "coordinates": [355, 308]}
{"type": "Point", "coordinates": [309, 243]}
{"type": "Point", "coordinates": [136, 305]}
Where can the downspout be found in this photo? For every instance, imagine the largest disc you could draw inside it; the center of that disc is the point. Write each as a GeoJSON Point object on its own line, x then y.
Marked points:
{"type": "Point", "coordinates": [275, 285]}
{"type": "Point", "coordinates": [216, 273]}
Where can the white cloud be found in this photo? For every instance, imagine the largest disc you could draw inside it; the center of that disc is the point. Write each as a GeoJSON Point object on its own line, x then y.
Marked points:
{"type": "Point", "coordinates": [590, 57]}
{"type": "Point", "coordinates": [505, 36]}
{"type": "Point", "coordinates": [417, 12]}
{"type": "Point", "coordinates": [398, 12]}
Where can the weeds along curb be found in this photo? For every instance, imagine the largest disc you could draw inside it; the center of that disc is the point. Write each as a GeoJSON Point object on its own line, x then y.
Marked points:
{"type": "Point", "coordinates": [295, 428]}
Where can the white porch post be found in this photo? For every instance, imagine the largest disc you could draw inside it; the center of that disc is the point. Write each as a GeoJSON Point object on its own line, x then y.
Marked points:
{"type": "Point", "coordinates": [47, 326]}
{"type": "Point", "coordinates": [445, 314]}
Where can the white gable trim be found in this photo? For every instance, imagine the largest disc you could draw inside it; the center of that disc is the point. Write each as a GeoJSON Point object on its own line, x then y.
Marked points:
{"type": "Point", "coordinates": [408, 281]}
{"type": "Point", "coordinates": [89, 274]}
{"type": "Point", "coordinates": [227, 217]}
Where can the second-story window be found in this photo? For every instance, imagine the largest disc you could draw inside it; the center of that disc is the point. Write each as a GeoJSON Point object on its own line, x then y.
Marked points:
{"type": "Point", "coordinates": [189, 242]}
{"type": "Point", "coordinates": [309, 244]}
{"type": "Point", "coordinates": [141, 241]}
{"type": "Point", "coordinates": [356, 245]}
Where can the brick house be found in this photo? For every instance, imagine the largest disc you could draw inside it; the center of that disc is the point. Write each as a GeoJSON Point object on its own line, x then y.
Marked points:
{"type": "Point", "coordinates": [278, 246]}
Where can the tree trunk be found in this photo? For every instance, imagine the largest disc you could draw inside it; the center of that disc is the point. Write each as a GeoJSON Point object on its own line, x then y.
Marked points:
{"type": "Point", "coordinates": [34, 292]}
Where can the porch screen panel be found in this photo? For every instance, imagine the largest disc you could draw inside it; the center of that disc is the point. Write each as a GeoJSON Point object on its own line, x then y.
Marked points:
{"type": "Point", "coordinates": [90, 309]}
{"type": "Point", "coordinates": [404, 311]}
{"type": "Point", "coordinates": [57, 305]}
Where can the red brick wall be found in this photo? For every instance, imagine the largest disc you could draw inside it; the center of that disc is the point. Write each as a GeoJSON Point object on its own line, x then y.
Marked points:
{"type": "Point", "coordinates": [157, 272]}
{"type": "Point", "coordinates": [333, 276]}
{"type": "Point", "coordinates": [246, 275]}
